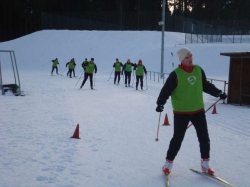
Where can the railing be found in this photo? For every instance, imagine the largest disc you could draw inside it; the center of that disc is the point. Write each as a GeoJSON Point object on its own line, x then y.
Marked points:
{"type": "Point", "coordinates": [157, 76]}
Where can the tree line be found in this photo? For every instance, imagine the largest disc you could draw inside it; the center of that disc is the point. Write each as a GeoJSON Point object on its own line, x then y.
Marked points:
{"type": "Point", "coordinates": [21, 17]}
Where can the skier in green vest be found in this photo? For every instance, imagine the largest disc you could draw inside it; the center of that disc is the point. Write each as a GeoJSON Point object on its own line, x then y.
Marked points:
{"type": "Point", "coordinates": [139, 71]}
{"type": "Point", "coordinates": [73, 70]}
{"type": "Point", "coordinates": [118, 66]}
{"type": "Point", "coordinates": [54, 66]}
{"type": "Point", "coordinates": [186, 85]}
{"type": "Point", "coordinates": [127, 69]}
{"type": "Point", "coordinates": [90, 68]}
{"type": "Point", "coordinates": [71, 66]}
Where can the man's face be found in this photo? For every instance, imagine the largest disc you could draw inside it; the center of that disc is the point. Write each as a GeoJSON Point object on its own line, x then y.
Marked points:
{"type": "Point", "coordinates": [188, 60]}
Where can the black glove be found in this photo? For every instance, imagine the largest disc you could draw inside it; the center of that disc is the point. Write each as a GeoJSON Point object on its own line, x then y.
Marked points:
{"type": "Point", "coordinates": [223, 96]}
{"type": "Point", "coordinates": [159, 108]}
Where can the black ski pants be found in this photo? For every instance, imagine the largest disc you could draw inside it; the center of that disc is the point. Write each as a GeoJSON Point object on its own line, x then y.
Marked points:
{"type": "Point", "coordinates": [127, 77]}
{"type": "Point", "coordinates": [117, 74]}
{"type": "Point", "coordinates": [180, 126]}
{"type": "Point", "coordinates": [86, 75]}
{"type": "Point", "coordinates": [54, 67]}
{"type": "Point", "coordinates": [70, 73]}
{"type": "Point", "coordinates": [137, 81]}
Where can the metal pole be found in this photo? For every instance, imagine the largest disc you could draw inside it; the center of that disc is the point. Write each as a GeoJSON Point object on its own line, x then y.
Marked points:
{"type": "Point", "coordinates": [19, 93]}
{"type": "Point", "coordinates": [1, 82]}
{"type": "Point", "coordinates": [162, 38]}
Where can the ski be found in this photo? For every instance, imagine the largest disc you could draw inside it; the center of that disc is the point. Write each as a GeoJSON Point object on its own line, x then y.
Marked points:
{"type": "Point", "coordinates": [90, 89]}
{"type": "Point", "coordinates": [212, 176]}
{"type": "Point", "coordinates": [167, 181]}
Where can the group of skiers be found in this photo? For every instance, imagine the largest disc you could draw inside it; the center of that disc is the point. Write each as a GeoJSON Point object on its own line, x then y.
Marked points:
{"type": "Point", "coordinates": [71, 66]}
{"type": "Point", "coordinates": [139, 69]}
{"type": "Point", "coordinates": [90, 68]}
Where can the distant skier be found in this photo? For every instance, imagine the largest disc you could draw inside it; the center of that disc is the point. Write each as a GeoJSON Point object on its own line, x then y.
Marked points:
{"type": "Point", "coordinates": [90, 68]}
{"type": "Point", "coordinates": [71, 66]}
{"type": "Point", "coordinates": [139, 71]}
{"type": "Point", "coordinates": [118, 66]}
{"type": "Point", "coordinates": [54, 66]}
{"type": "Point", "coordinates": [84, 62]}
{"type": "Point", "coordinates": [186, 85]}
{"type": "Point", "coordinates": [73, 70]}
{"type": "Point", "coordinates": [127, 69]}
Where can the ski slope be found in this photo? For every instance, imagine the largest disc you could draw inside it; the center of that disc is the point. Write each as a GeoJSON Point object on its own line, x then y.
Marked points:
{"type": "Point", "coordinates": [118, 125]}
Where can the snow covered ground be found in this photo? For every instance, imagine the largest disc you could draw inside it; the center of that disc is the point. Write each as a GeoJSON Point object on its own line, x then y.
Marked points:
{"type": "Point", "coordinates": [118, 125]}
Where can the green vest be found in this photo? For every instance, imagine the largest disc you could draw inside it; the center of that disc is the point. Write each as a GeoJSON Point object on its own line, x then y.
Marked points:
{"type": "Point", "coordinates": [139, 71]}
{"type": "Point", "coordinates": [188, 96]}
{"type": "Point", "coordinates": [55, 62]}
{"type": "Point", "coordinates": [90, 68]}
{"type": "Point", "coordinates": [71, 65]}
{"type": "Point", "coordinates": [118, 66]}
{"type": "Point", "coordinates": [128, 67]}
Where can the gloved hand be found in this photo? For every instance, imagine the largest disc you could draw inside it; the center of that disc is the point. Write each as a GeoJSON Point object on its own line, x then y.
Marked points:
{"type": "Point", "coordinates": [223, 96]}
{"type": "Point", "coordinates": [159, 108]}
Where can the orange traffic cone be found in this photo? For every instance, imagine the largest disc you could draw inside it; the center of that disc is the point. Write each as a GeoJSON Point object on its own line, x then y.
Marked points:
{"type": "Point", "coordinates": [166, 120]}
{"type": "Point", "coordinates": [76, 133]}
{"type": "Point", "coordinates": [214, 110]}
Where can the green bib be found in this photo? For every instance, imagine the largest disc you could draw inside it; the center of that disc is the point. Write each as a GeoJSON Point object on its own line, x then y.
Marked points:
{"type": "Point", "coordinates": [55, 62]}
{"type": "Point", "coordinates": [188, 95]}
{"type": "Point", "coordinates": [128, 67]}
{"type": "Point", "coordinates": [118, 66]}
{"type": "Point", "coordinates": [90, 67]}
{"type": "Point", "coordinates": [139, 71]}
{"type": "Point", "coordinates": [71, 65]}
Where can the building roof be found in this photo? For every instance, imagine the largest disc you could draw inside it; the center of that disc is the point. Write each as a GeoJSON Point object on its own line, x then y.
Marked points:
{"type": "Point", "coordinates": [245, 54]}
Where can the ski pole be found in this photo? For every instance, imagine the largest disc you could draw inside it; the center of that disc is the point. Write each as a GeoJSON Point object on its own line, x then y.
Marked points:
{"type": "Point", "coordinates": [146, 82]}
{"type": "Point", "coordinates": [59, 67]}
{"type": "Point", "coordinates": [64, 70]}
{"type": "Point", "coordinates": [133, 80]}
{"type": "Point", "coordinates": [111, 73]}
{"type": "Point", "coordinates": [205, 111]}
{"type": "Point", "coordinates": [156, 139]}
{"type": "Point", "coordinates": [79, 73]}
{"type": "Point", "coordinates": [94, 79]}
{"type": "Point", "coordinates": [79, 78]}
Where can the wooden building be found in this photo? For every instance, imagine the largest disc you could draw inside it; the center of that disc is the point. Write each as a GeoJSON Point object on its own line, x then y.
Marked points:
{"type": "Point", "coordinates": [239, 78]}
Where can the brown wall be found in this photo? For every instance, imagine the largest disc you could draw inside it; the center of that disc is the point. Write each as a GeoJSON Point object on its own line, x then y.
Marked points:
{"type": "Point", "coordinates": [239, 81]}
